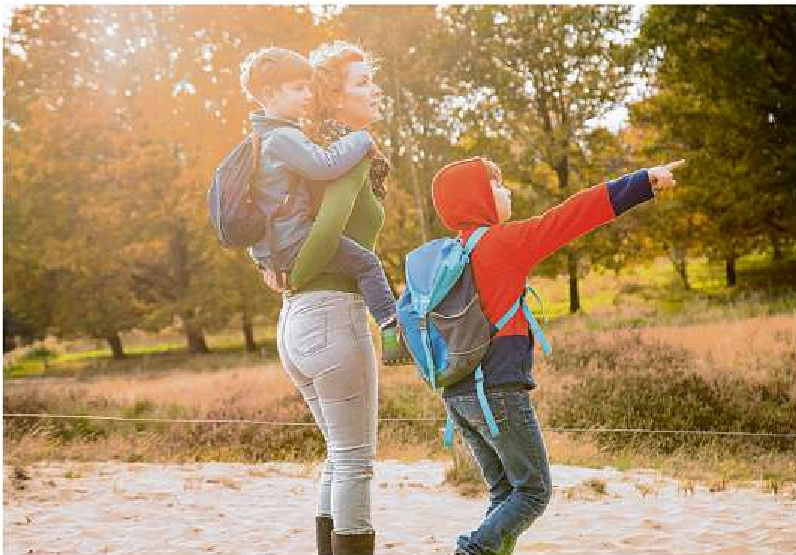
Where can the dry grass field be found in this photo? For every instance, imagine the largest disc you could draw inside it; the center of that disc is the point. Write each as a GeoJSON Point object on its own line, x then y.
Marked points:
{"type": "Point", "coordinates": [642, 354]}
{"type": "Point", "coordinates": [726, 375]}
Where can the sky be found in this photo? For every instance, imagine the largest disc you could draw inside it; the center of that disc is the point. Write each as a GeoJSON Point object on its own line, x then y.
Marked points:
{"type": "Point", "coordinates": [617, 118]}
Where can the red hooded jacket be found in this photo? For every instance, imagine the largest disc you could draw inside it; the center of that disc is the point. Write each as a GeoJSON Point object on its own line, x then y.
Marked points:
{"type": "Point", "coordinates": [507, 253]}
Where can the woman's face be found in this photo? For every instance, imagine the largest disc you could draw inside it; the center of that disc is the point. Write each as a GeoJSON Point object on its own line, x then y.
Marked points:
{"type": "Point", "coordinates": [359, 103]}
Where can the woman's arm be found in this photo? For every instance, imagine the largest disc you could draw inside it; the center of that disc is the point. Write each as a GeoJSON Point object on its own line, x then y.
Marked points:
{"type": "Point", "coordinates": [320, 245]}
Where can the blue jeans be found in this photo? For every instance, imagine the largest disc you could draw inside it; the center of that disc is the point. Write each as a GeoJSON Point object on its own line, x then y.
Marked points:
{"type": "Point", "coordinates": [514, 465]}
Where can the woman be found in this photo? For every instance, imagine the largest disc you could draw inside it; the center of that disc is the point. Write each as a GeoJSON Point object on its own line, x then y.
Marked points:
{"type": "Point", "coordinates": [323, 338]}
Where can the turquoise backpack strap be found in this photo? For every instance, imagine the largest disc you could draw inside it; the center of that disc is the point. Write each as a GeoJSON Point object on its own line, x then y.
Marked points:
{"type": "Point", "coordinates": [432, 371]}
{"type": "Point", "coordinates": [447, 438]}
{"type": "Point", "coordinates": [509, 313]}
{"type": "Point", "coordinates": [426, 341]}
{"type": "Point", "coordinates": [535, 327]}
{"type": "Point", "coordinates": [538, 300]}
{"type": "Point", "coordinates": [474, 238]}
{"type": "Point", "coordinates": [479, 391]}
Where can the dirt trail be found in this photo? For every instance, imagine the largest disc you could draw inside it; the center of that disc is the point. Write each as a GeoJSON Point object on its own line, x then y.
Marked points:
{"type": "Point", "coordinates": [241, 509]}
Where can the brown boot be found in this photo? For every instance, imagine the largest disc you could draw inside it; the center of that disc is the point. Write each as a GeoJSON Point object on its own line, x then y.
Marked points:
{"type": "Point", "coordinates": [354, 544]}
{"type": "Point", "coordinates": [323, 535]}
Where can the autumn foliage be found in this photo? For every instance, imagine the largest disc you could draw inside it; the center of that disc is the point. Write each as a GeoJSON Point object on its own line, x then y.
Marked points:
{"type": "Point", "coordinates": [115, 117]}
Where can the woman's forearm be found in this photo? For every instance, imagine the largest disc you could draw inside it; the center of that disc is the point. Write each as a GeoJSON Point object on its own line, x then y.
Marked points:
{"type": "Point", "coordinates": [321, 242]}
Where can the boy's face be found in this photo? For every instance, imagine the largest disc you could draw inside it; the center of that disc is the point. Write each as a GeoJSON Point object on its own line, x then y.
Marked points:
{"type": "Point", "coordinates": [500, 192]}
{"type": "Point", "coordinates": [290, 100]}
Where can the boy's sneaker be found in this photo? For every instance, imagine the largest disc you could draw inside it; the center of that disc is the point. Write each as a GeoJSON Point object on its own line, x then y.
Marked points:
{"type": "Point", "coordinates": [393, 347]}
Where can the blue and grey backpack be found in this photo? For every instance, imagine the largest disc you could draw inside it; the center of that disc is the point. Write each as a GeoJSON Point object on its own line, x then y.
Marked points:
{"type": "Point", "coordinates": [236, 219]}
{"type": "Point", "coordinates": [444, 326]}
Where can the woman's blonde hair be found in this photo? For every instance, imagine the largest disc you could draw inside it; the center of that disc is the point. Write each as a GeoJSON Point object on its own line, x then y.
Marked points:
{"type": "Point", "coordinates": [328, 63]}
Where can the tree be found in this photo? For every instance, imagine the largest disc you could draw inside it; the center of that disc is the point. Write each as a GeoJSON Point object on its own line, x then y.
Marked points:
{"type": "Point", "coordinates": [540, 74]}
{"type": "Point", "coordinates": [202, 118]}
{"type": "Point", "coordinates": [127, 110]}
{"type": "Point", "coordinates": [724, 79]}
{"type": "Point", "coordinates": [70, 172]}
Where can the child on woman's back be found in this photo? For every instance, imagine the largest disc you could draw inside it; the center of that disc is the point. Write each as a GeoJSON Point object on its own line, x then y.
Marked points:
{"type": "Point", "coordinates": [279, 81]}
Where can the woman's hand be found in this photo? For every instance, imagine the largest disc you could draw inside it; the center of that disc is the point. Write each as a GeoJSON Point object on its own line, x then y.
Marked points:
{"type": "Point", "coordinates": [661, 176]}
{"type": "Point", "coordinates": [274, 281]}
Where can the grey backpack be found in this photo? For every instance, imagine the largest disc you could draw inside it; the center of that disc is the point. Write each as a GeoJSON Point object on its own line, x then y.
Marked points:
{"type": "Point", "coordinates": [236, 219]}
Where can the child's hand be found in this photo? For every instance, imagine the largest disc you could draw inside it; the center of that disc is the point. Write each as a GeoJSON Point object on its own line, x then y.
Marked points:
{"type": "Point", "coordinates": [374, 151]}
{"type": "Point", "coordinates": [374, 148]}
{"type": "Point", "coordinates": [661, 176]}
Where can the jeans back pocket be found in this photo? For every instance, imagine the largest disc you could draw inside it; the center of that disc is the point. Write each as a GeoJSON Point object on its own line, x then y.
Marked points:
{"type": "Point", "coordinates": [308, 331]}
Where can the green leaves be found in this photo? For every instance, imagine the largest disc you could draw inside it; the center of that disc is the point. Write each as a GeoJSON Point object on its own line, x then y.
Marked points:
{"type": "Point", "coordinates": [725, 79]}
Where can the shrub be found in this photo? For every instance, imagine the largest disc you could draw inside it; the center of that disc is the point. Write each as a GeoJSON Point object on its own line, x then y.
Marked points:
{"type": "Point", "coordinates": [673, 399]}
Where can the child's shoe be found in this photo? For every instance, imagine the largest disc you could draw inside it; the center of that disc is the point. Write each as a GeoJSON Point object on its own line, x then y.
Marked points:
{"type": "Point", "coordinates": [393, 347]}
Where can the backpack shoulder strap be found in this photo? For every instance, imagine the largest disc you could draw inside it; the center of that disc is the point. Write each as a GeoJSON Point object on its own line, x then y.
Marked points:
{"type": "Point", "coordinates": [256, 141]}
{"type": "Point", "coordinates": [536, 329]}
{"type": "Point", "coordinates": [474, 238]}
{"type": "Point", "coordinates": [532, 322]}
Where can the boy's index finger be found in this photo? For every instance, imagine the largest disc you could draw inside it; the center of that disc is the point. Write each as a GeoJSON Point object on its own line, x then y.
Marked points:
{"type": "Point", "coordinates": [673, 165]}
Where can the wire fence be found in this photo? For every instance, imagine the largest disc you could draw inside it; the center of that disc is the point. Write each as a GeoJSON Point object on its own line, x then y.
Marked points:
{"type": "Point", "coordinates": [430, 419]}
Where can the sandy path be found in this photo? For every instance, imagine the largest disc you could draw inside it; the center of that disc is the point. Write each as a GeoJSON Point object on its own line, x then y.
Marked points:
{"type": "Point", "coordinates": [242, 509]}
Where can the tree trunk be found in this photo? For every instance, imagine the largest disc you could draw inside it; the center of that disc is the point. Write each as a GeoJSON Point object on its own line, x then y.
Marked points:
{"type": "Point", "coordinates": [115, 343]}
{"type": "Point", "coordinates": [682, 271]}
{"type": "Point", "coordinates": [562, 172]}
{"type": "Point", "coordinates": [574, 295]}
{"type": "Point", "coordinates": [418, 198]}
{"type": "Point", "coordinates": [196, 339]}
{"type": "Point", "coordinates": [248, 333]}
{"type": "Point", "coordinates": [398, 114]}
{"type": "Point", "coordinates": [776, 245]}
{"type": "Point", "coordinates": [729, 265]}
{"type": "Point", "coordinates": [677, 255]}
{"type": "Point", "coordinates": [395, 128]}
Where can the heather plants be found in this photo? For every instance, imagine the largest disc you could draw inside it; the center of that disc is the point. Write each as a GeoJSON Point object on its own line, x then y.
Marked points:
{"type": "Point", "coordinates": [725, 368]}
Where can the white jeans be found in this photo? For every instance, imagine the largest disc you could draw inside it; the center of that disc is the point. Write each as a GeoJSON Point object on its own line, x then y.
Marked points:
{"type": "Point", "coordinates": [327, 351]}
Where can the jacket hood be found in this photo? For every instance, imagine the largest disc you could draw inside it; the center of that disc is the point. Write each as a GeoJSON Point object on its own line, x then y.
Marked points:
{"type": "Point", "coordinates": [463, 196]}
{"type": "Point", "coordinates": [262, 123]}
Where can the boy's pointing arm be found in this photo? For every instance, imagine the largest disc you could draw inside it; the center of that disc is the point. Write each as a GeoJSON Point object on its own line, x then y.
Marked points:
{"type": "Point", "coordinates": [537, 238]}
